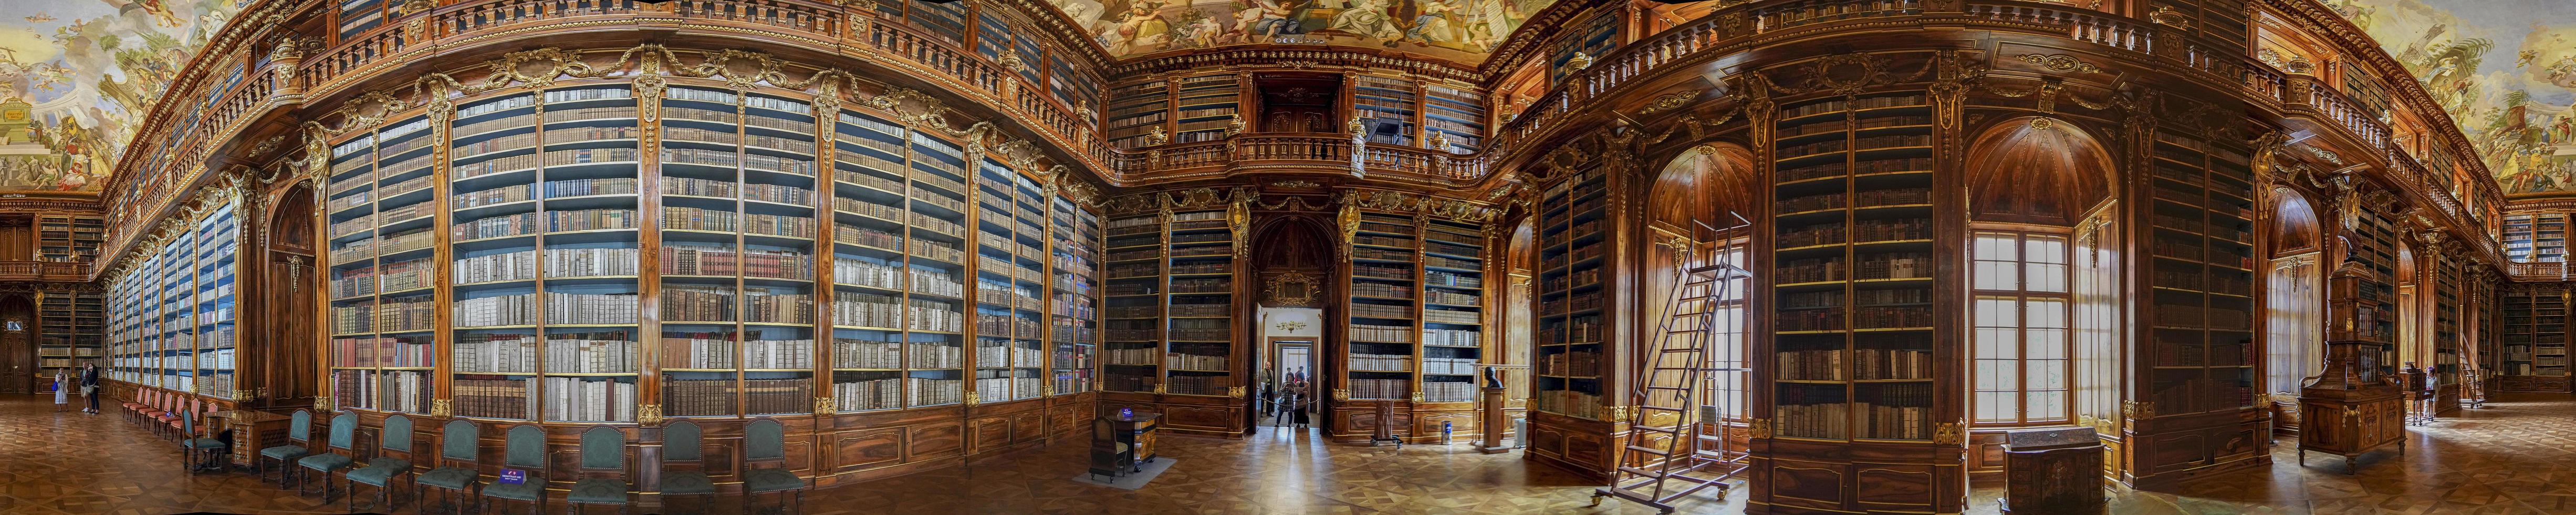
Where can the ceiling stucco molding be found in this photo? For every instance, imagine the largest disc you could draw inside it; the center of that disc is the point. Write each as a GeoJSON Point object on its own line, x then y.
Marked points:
{"type": "Point", "coordinates": [2313, 16]}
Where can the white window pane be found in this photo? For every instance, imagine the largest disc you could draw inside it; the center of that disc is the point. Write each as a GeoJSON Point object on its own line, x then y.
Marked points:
{"type": "Point", "coordinates": [2047, 277]}
{"type": "Point", "coordinates": [2047, 374]}
{"type": "Point", "coordinates": [2046, 312]}
{"type": "Point", "coordinates": [2045, 249]}
{"type": "Point", "coordinates": [1997, 343]}
{"type": "Point", "coordinates": [1996, 275]}
{"type": "Point", "coordinates": [1998, 312]}
{"type": "Point", "coordinates": [1986, 371]}
{"type": "Point", "coordinates": [2007, 375]}
{"type": "Point", "coordinates": [2048, 405]}
{"type": "Point", "coordinates": [1995, 407]}
{"type": "Point", "coordinates": [2043, 343]}
{"type": "Point", "coordinates": [1996, 247]}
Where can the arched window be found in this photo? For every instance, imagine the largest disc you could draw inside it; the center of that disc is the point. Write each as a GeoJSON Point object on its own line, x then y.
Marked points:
{"type": "Point", "coordinates": [1701, 197]}
{"type": "Point", "coordinates": [2037, 186]}
{"type": "Point", "coordinates": [2294, 296]}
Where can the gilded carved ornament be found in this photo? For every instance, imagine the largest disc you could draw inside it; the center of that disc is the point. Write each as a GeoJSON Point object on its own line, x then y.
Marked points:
{"type": "Point", "coordinates": [2060, 63]}
{"type": "Point", "coordinates": [1669, 101]}
{"type": "Point", "coordinates": [1292, 289]}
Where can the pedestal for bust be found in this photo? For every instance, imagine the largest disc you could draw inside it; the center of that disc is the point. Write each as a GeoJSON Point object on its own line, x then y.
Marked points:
{"type": "Point", "coordinates": [2352, 408]}
{"type": "Point", "coordinates": [1494, 422]}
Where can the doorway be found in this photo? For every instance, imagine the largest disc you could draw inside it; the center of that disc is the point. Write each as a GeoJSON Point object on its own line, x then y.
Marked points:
{"type": "Point", "coordinates": [1288, 357]}
{"type": "Point", "coordinates": [18, 345]}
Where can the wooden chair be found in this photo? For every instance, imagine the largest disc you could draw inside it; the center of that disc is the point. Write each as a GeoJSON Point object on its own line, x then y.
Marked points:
{"type": "Point", "coordinates": [186, 408]}
{"type": "Point", "coordinates": [299, 437]}
{"type": "Point", "coordinates": [456, 461]}
{"type": "Point", "coordinates": [344, 428]}
{"type": "Point", "coordinates": [385, 468]}
{"type": "Point", "coordinates": [603, 452]}
{"type": "Point", "coordinates": [134, 407]}
{"type": "Point", "coordinates": [525, 450]}
{"type": "Point", "coordinates": [764, 442]}
{"type": "Point", "coordinates": [197, 450]}
{"type": "Point", "coordinates": [681, 444]}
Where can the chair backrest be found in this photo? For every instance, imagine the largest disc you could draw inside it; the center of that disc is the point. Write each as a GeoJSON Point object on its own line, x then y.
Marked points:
{"type": "Point", "coordinates": [603, 448]}
{"type": "Point", "coordinates": [344, 428]}
{"type": "Point", "coordinates": [766, 439]}
{"type": "Point", "coordinates": [458, 440]}
{"type": "Point", "coordinates": [397, 434]}
{"type": "Point", "coordinates": [526, 449]}
{"type": "Point", "coordinates": [680, 442]}
{"type": "Point", "coordinates": [188, 423]}
{"type": "Point", "coordinates": [300, 426]}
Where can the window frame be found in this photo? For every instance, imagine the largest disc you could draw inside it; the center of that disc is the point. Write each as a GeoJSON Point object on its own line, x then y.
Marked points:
{"type": "Point", "coordinates": [2021, 297]}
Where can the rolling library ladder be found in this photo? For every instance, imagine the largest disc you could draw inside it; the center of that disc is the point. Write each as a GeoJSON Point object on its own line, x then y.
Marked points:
{"type": "Point", "coordinates": [1676, 445]}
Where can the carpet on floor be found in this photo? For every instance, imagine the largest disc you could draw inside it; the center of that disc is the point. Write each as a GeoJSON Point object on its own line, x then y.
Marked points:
{"type": "Point", "coordinates": [1131, 481]}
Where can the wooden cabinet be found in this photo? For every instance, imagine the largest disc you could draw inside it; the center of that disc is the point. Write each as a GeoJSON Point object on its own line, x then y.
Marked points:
{"type": "Point", "coordinates": [2352, 408]}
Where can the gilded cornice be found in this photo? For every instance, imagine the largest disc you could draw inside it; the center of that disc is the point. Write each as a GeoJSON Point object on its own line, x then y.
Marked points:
{"type": "Point", "coordinates": [1300, 59]}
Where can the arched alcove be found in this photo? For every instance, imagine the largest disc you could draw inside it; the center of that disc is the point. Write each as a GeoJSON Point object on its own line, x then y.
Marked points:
{"type": "Point", "coordinates": [2045, 347]}
{"type": "Point", "coordinates": [292, 286]}
{"type": "Point", "coordinates": [2036, 171]}
{"type": "Point", "coordinates": [2294, 294]}
{"type": "Point", "coordinates": [1706, 196]}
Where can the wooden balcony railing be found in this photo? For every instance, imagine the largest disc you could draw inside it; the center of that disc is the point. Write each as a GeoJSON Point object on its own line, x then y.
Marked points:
{"type": "Point", "coordinates": [1302, 151]}
{"type": "Point", "coordinates": [45, 271]}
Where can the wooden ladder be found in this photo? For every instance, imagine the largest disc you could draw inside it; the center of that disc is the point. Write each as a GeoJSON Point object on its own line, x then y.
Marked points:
{"type": "Point", "coordinates": [1669, 453]}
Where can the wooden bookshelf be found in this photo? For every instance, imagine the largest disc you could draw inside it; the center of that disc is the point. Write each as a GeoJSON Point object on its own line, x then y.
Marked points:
{"type": "Point", "coordinates": [1416, 321]}
{"type": "Point", "coordinates": [2534, 339]}
{"type": "Point", "coordinates": [2201, 357]}
{"type": "Point", "coordinates": [1571, 361]}
{"type": "Point", "coordinates": [613, 253]}
{"type": "Point", "coordinates": [2535, 237]}
{"type": "Point", "coordinates": [1136, 112]}
{"type": "Point", "coordinates": [1132, 331]}
{"type": "Point", "coordinates": [69, 239]}
{"type": "Point", "coordinates": [170, 322]}
{"type": "Point", "coordinates": [1208, 107]}
{"type": "Point", "coordinates": [73, 331]}
{"type": "Point", "coordinates": [1390, 108]}
{"type": "Point", "coordinates": [2448, 340]}
{"type": "Point", "coordinates": [1198, 335]}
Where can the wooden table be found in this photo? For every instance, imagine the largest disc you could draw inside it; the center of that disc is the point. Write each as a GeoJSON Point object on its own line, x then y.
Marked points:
{"type": "Point", "coordinates": [248, 431]}
{"type": "Point", "coordinates": [1119, 444]}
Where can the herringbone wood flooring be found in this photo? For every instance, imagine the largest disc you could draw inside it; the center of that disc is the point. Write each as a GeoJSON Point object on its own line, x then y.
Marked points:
{"type": "Point", "coordinates": [2517, 457]}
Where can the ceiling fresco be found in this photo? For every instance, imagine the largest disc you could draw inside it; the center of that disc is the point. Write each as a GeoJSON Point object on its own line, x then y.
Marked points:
{"type": "Point", "coordinates": [78, 76]}
{"type": "Point", "coordinates": [1456, 30]}
{"type": "Point", "coordinates": [2505, 69]}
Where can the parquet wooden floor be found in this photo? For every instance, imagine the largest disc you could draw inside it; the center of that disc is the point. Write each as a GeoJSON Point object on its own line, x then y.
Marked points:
{"type": "Point", "coordinates": [2516, 457]}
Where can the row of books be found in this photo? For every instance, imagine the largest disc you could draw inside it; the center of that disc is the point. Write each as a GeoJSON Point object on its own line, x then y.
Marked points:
{"type": "Point", "coordinates": [716, 397]}
{"type": "Point", "coordinates": [571, 399]}
{"type": "Point", "coordinates": [867, 353]}
{"type": "Point", "coordinates": [716, 350]}
{"type": "Point", "coordinates": [384, 351]}
{"type": "Point", "coordinates": [1448, 391]}
{"type": "Point", "coordinates": [700, 260]}
{"type": "Point", "coordinates": [1369, 388]}
{"type": "Point", "coordinates": [928, 391]}
{"type": "Point", "coordinates": [1380, 362]}
{"type": "Point", "coordinates": [868, 394]}
{"type": "Point", "coordinates": [996, 389]}
{"type": "Point", "coordinates": [1449, 366]}
{"type": "Point", "coordinates": [1580, 363]}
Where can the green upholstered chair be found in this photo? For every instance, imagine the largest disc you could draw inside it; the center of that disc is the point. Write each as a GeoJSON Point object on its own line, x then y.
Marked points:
{"type": "Point", "coordinates": [681, 445]}
{"type": "Point", "coordinates": [525, 450]}
{"type": "Point", "coordinates": [382, 471]}
{"type": "Point", "coordinates": [299, 442]}
{"type": "Point", "coordinates": [455, 468]}
{"type": "Point", "coordinates": [344, 429]}
{"type": "Point", "coordinates": [199, 450]}
{"type": "Point", "coordinates": [764, 463]}
{"type": "Point", "coordinates": [603, 453]}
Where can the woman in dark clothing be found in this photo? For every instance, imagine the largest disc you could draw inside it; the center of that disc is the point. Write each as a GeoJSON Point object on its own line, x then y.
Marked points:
{"type": "Point", "coordinates": [89, 386]}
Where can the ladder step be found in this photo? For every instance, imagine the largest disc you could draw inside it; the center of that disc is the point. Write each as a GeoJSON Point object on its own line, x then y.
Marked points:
{"type": "Point", "coordinates": [1659, 429]}
{"type": "Point", "coordinates": [1650, 450]}
{"type": "Point", "coordinates": [1642, 406]}
{"type": "Point", "coordinates": [1641, 472]}
{"type": "Point", "coordinates": [1676, 388]}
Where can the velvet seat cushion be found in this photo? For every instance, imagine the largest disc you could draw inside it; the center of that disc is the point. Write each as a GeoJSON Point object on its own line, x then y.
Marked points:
{"type": "Point", "coordinates": [380, 472]}
{"type": "Point", "coordinates": [518, 492]}
{"type": "Point", "coordinates": [771, 480]}
{"type": "Point", "coordinates": [597, 491]}
{"type": "Point", "coordinates": [324, 462]}
{"type": "Point", "coordinates": [687, 482]}
{"type": "Point", "coordinates": [452, 478]}
{"type": "Point", "coordinates": [204, 443]}
{"type": "Point", "coordinates": [284, 452]}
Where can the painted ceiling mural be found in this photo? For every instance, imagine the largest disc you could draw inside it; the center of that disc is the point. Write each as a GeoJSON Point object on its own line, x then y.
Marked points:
{"type": "Point", "coordinates": [78, 76]}
{"type": "Point", "coordinates": [2506, 70]}
{"type": "Point", "coordinates": [1457, 30]}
